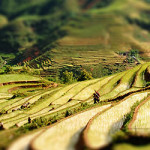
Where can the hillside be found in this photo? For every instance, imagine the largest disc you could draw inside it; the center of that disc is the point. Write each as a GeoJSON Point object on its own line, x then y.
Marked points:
{"type": "Point", "coordinates": [31, 103]}
{"type": "Point", "coordinates": [89, 34]}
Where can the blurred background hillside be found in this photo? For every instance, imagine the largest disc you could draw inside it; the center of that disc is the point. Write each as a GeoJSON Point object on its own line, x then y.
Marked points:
{"type": "Point", "coordinates": [71, 33]}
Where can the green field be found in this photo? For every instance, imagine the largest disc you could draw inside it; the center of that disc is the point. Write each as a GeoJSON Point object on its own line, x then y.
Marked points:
{"type": "Point", "coordinates": [45, 106]}
{"type": "Point", "coordinates": [88, 37]}
{"type": "Point", "coordinates": [54, 56]}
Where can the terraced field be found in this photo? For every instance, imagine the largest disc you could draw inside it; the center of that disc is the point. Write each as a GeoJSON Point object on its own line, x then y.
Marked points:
{"type": "Point", "coordinates": [102, 126]}
{"type": "Point", "coordinates": [92, 126]}
{"type": "Point", "coordinates": [140, 122]}
{"type": "Point", "coordinates": [102, 33]}
{"type": "Point", "coordinates": [69, 129]}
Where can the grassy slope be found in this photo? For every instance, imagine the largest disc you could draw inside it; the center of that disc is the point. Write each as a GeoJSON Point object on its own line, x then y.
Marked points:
{"type": "Point", "coordinates": [101, 127]}
{"type": "Point", "coordinates": [141, 123]}
{"type": "Point", "coordinates": [124, 84]}
{"type": "Point", "coordinates": [55, 97]}
{"type": "Point", "coordinates": [101, 34]}
{"type": "Point", "coordinates": [43, 107]}
{"type": "Point", "coordinates": [67, 129]}
{"type": "Point", "coordinates": [139, 79]}
{"type": "Point", "coordinates": [17, 77]}
{"type": "Point", "coordinates": [58, 99]}
{"type": "Point", "coordinates": [97, 35]}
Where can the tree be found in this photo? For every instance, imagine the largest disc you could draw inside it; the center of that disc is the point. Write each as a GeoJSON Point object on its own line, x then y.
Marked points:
{"type": "Point", "coordinates": [133, 52]}
{"type": "Point", "coordinates": [67, 77]}
{"type": "Point", "coordinates": [85, 75]}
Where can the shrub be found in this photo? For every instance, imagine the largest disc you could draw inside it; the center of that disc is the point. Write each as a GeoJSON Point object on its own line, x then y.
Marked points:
{"type": "Point", "coordinates": [32, 126]}
{"type": "Point", "coordinates": [36, 72]}
{"type": "Point", "coordinates": [84, 104]}
{"type": "Point", "coordinates": [25, 69]}
{"type": "Point", "coordinates": [8, 69]}
{"type": "Point", "coordinates": [53, 79]}
{"type": "Point", "coordinates": [18, 94]}
{"type": "Point", "coordinates": [85, 75]}
{"type": "Point", "coordinates": [67, 77]}
{"type": "Point", "coordinates": [133, 52]}
{"type": "Point", "coordinates": [68, 113]}
{"type": "Point", "coordinates": [3, 112]}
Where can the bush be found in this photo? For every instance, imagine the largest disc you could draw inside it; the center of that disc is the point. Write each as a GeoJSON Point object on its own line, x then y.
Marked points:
{"type": "Point", "coordinates": [8, 69]}
{"type": "Point", "coordinates": [36, 72]}
{"type": "Point", "coordinates": [68, 113]}
{"type": "Point", "coordinates": [3, 112]}
{"type": "Point", "coordinates": [33, 126]}
{"type": "Point", "coordinates": [25, 69]}
{"type": "Point", "coordinates": [85, 76]}
{"type": "Point", "coordinates": [18, 94]}
{"type": "Point", "coordinates": [53, 79]}
{"type": "Point", "coordinates": [67, 77]}
{"type": "Point", "coordinates": [134, 52]}
{"type": "Point", "coordinates": [85, 104]}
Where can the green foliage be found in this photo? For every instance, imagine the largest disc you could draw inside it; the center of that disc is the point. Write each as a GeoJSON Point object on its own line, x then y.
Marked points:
{"type": "Point", "coordinates": [36, 72]}
{"type": "Point", "coordinates": [2, 62]}
{"type": "Point", "coordinates": [53, 79]}
{"type": "Point", "coordinates": [3, 112]}
{"type": "Point", "coordinates": [39, 122]}
{"type": "Point", "coordinates": [8, 69]}
{"type": "Point", "coordinates": [132, 55]}
{"type": "Point", "coordinates": [101, 70]}
{"type": "Point", "coordinates": [85, 75]}
{"type": "Point", "coordinates": [67, 77]}
{"type": "Point", "coordinates": [87, 72]}
{"type": "Point", "coordinates": [48, 120]}
{"type": "Point", "coordinates": [148, 1]}
{"type": "Point", "coordinates": [25, 69]}
{"type": "Point", "coordinates": [27, 29]}
{"type": "Point", "coordinates": [3, 21]}
{"type": "Point", "coordinates": [72, 7]}
{"type": "Point", "coordinates": [18, 94]}
{"type": "Point", "coordinates": [134, 52]}
{"type": "Point", "coordinates": [25, 7]}
{"type": "Point", "coordinates": [68, 113]}
{"type": "Point", "coordinates": [104, 3]}
{"type": "Point", "coordinates": [14, 36]}
{"type": "Point", "coordinates": [84, 104]}
{"type": "Point", "coordinates": [129, 116]}
{"type": "Point", "coordinates": [130, 60]}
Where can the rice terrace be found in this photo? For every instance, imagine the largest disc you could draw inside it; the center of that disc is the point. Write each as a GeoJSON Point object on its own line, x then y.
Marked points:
{"type": "Point", "coordinates": [74, 75]}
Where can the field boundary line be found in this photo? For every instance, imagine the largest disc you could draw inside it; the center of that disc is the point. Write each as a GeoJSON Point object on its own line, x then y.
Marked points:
{"type": "Point", "coordinates": [136, 112]}
{"type": "Point", "coordinates": [85, 132]}
{"type": "Point", "coordinates": [31, 146]}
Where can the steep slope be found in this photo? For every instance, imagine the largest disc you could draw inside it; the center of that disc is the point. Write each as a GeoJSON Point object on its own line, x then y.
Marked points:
{"type": "Point", "coordinates": [103, 122]}
{"type": "Point", "coordinates": [97, 35]}
{"type": "Point", "coordinates": [100, 128]}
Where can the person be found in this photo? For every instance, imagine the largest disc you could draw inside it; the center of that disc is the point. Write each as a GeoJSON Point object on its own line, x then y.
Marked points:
{"type": "Point", "coordinates": [29, 120]}
{"type": "Point", "coordinates": [96, 96]}
{"type": "Point", "coordinates": [1, 126]}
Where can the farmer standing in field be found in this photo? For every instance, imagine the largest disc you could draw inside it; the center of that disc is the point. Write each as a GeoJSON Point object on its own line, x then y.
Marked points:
{"type": "Point", "coordinates": [96, 96]}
